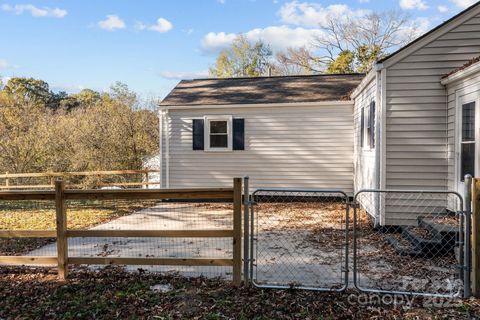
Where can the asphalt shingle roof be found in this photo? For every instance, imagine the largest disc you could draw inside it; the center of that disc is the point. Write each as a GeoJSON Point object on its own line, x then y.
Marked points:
{"type": "Point", "coordinates": [287, 89]}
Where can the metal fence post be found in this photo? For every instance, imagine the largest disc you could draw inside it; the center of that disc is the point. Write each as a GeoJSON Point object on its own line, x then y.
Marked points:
{"type": "Point", "coordinates": [246, 234]}
{"type": "Point", "coordinates": [467, 247]}
{"type": "Point", "coordinates": [61, 221]}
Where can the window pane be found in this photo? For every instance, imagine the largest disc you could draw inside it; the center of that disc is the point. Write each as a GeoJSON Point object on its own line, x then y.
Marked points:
{"type": "Point", "coordinates": [372, 124]}
{"type": "Point", "coordinates": [362, 124]}
{"type": "Point", "coordinates": [219, 141]}
{"type": "Point", "coordinates": [468, 122]}
{"type": "Point", "coordinates": [218, 126]}
{"type": "Point", "coordinates": [467, 161]}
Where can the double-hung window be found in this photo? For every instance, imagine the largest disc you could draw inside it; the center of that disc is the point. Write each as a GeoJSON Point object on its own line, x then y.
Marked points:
{"type": "Point", "coordinates": [218, 133]}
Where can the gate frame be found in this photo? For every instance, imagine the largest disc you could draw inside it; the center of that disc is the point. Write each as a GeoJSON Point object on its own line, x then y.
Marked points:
{"type": "Point", "coordinates": [464, 241]}
{"type": "Point", "coordinates": [252, 260]}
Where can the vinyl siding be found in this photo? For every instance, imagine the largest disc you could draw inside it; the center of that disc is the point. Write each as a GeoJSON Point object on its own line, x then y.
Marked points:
{"type": "Point", "coordinates": [287, 147]}
{"type": "Point", "coordinates": [417, 127]}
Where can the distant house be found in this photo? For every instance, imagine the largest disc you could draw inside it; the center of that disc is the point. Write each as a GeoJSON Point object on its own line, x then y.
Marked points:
{"type": "Point", "coordinates": [413, 122]}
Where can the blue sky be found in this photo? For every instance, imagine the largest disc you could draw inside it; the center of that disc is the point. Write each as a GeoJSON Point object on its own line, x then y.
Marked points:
{"type": "Point", "coordinates": [150, 45]}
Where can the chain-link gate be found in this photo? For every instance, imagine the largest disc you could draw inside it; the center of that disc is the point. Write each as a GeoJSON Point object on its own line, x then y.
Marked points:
{"type": "Point", "coordinates": [299, 239]}
{"type": "Point", "coordinates": [409, 242]}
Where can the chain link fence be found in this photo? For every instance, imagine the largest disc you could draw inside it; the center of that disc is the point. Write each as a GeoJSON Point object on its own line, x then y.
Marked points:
{"type": "Point", "coordinates": [409, 242]}
{"type": "Point", "coordinates": [300, 239]}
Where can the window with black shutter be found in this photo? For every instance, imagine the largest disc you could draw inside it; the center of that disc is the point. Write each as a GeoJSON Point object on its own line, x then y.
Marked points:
{"type": "Point", "coordinates": [218, 133]}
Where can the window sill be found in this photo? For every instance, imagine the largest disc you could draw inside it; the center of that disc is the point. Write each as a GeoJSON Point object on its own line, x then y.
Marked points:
{"type": "Point", "coordinates": [218, 150]}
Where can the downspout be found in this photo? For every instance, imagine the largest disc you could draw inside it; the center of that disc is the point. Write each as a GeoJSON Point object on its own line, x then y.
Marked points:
{"type": "Point", "coordinates": [381, 136]}
{"type": "Point", "coordinates": [160, 115]}
{"type": "Point", "coordinates": [167, 155]}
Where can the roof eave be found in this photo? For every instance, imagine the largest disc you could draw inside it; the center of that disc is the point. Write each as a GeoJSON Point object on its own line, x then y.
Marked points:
{"type": "Point", "coordinates": [257, 105]}
{"type": "Point", "coordinates": [462, 74]}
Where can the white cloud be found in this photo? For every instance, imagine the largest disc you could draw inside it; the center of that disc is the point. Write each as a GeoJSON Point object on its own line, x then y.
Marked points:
{"type": "Point", "coordinates": [313, 14]}
{"type": "Point", "coordinates": [213, 42]}
{"type": "Point", "coordinates": [442, 8]}
{"type": "Point", "coordinates": [463, 3]}
{"type": "Point", "coordinates": [416, 28]}
{"type": "Point", "coordinates": [162, 25]}
{"type": "Point", "coordinates": [35, 11]}
{"type": "Point", "coordinates": [170, 75]}
{"type": "Point", "coordinates": [111, 23]}
{"type": "Point", "coordinates": [221, 1]}
{"type": "Point", "coordinates": [275, 36]}
{"type": "Point", "coordinates": [4, 64]}
{"type": "Point", "coordinates": [364, 1]}
{"type": "Point", "coordinates": [413, 4]}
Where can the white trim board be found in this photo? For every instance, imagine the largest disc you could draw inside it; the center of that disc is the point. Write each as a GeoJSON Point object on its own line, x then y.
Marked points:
{"type": "Point", "coordinates": [260, 105]}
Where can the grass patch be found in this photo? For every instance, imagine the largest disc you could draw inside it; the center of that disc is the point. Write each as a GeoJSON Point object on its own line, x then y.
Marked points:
{"type": "Point", "coordinates": [30, 215]}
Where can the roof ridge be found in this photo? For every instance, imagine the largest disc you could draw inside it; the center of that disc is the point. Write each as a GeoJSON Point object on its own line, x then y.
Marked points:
{"type": "Point", "coordinates": [277, 77]}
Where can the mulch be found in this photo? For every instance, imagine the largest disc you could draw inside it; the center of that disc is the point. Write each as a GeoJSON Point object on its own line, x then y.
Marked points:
{"type": "Point", "coordinates": [113, 293]}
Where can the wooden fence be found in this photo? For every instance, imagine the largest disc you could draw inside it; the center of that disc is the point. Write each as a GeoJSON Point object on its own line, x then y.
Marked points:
{"type": "Point", "coordinates": [60, 195]}
{"type": "Point", "coordinates": [7, 180]}
{"type": "Point", "coordinates": [475, 276]}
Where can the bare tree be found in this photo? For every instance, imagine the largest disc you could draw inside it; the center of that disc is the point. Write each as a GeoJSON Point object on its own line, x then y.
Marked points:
{"type": "Point", "coordinates": [298, 61]}
{"type": "Point", "coordinates": [366, 37]}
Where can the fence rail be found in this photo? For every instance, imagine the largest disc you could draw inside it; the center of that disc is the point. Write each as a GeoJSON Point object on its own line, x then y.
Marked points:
{"type": "Point", "coordinates": [60, 195]}
{"type": "Point", "coordinates": [49, 177]}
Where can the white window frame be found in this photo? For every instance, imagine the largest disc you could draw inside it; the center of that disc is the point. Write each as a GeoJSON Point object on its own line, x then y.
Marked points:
{"type": "Point", "coordinates": [206, 120]}
{"type": "Point", "coordinates": [463, 97]}
{"type": "Point", "coordinates": [366, 123]}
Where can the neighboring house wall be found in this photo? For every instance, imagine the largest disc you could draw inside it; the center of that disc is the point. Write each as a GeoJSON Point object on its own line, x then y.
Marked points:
{"type": "Point", "coordinates": [365, 170]}
{"type": "Point", "coordinates": [416, 113]}
{"type": "Point", "coordinates": [287, 147]}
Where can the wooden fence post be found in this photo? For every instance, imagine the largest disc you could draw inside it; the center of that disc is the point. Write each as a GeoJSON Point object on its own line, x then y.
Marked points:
{"type": "Point", "coordinates": [7, 181]}
{"type": "Point", "coordinates": [146, 180]}
{"type": "Point", "coordinates": [475, 237]}
{"type": "Point", "coordinates": [61, 220]}
{"type": "Point", "coordinates": [237, 231]}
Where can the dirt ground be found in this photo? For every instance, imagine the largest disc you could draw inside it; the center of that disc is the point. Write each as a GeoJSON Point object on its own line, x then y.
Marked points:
{"type": "Point", "coordinates": [297, 244]}
{"type": "Point", "coordinates": [113, 293]}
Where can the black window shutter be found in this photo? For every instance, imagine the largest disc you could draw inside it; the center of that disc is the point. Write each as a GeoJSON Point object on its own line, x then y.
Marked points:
{"type": "Point", "coordinates": [238, 134]}
{"type": "Point", "coordinates": [372, 124]}
{"type": "Point", "coordinates": [198, 134]}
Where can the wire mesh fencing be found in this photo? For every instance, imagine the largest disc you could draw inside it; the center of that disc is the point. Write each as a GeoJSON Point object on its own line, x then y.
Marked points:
{"type": "Point", "coordinates": [150, 215]}
{"type": "Point", "coordinates": [409, 242]}
{"type": "Point", "coordinates": [299, 239]}
{"type": "Point", "coordinates": [26, 215]}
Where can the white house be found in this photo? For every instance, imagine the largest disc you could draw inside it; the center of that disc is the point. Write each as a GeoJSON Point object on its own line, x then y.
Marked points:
{"type": "Point", "coordinates": [412, 122]}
